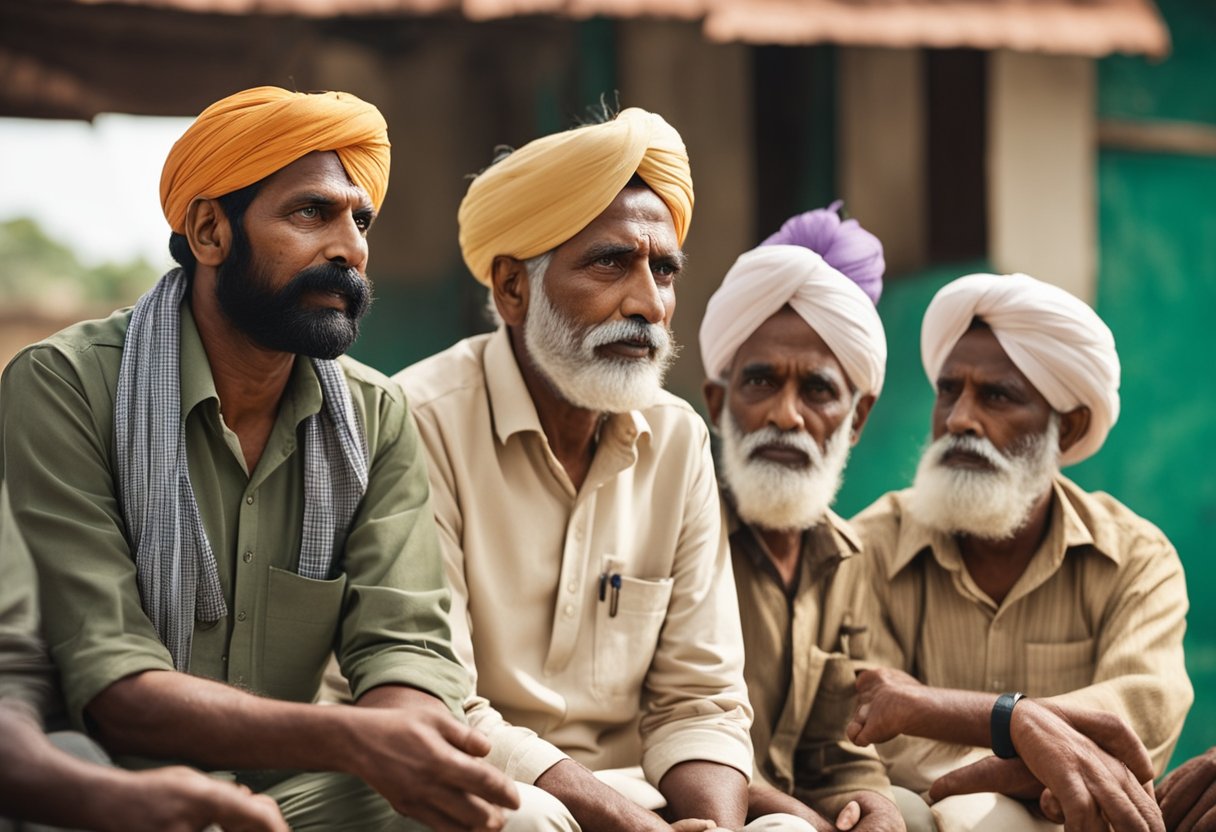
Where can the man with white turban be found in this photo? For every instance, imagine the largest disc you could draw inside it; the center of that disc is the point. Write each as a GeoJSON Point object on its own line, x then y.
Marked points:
{"type": "Point", "coordinates": [998, 578]}
{"type": "Point", "coordinates": [215, 500]}
{"type": "Point", "coordinates": [576, 501]}
{"type": "Point", "coordinates": [795, 355]}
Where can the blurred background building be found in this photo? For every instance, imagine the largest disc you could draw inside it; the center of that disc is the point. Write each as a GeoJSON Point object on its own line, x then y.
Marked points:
{"type": "Point", "coordinates": [1074, 140]}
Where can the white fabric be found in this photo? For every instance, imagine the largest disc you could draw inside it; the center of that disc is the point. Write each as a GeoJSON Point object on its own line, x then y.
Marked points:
{"type": "Point", "coordinates": [767, 278]}
{"type": "Point", "coordinates": [1059, 343]}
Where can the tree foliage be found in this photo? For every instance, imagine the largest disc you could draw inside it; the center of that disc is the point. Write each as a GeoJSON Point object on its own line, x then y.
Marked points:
{"type": "Point", "coordinates": [41, 271]}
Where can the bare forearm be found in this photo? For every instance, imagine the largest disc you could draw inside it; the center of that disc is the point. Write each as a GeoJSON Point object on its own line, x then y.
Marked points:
{"type": "Point", "coordinates": [699, 789]}
{"type": "Point", "coordinates": [962, 717]}
{"type": "Point", "coordinates": [592, 803]}
{"type": "Point", "coordinates": [169, 715]}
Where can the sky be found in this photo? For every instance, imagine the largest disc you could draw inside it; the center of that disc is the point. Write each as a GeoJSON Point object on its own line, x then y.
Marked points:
{"type": "Point", "coordinates": [94, 187]}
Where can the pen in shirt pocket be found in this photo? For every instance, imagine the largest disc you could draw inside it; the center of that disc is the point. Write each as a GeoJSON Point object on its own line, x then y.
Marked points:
{"type": "Point", "coordinates": [612, 581]}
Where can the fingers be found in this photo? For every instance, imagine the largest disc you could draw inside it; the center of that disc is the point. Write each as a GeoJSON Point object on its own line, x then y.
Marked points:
{"type": "Point", "coordinates": [1200, 814]}
{"type": "Point", "coordinates": [477, 778]}
{"type": "Point", "coordinates": [1182, 790]}
{"type": "Point", "coordinates": [1114, 736]}
{"type": "Point", "coordinates": [849, 815]}
{"type": "Point", "coordinates": [1049, 805]}
{"type": "Point", "coordinates": [856, 727]}
{"type": "Point", "coordinates": [466, 738]}
{"type": "Point", "coordinates": [991, 774]}
{"type": "Point", "coordinates": [693, 825]}
{"type": "Point", "coordinates": [251, 813]}
{"type": "Point", "coordinates": [1123, 801]}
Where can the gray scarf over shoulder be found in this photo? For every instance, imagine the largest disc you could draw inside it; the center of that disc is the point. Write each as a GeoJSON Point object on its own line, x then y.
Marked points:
{"type": "Point", "coordinates": [175, 565]}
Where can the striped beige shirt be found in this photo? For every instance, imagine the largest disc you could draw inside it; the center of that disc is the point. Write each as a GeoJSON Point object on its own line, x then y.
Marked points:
{"type": "Point", "coordinates": [1096, 619]}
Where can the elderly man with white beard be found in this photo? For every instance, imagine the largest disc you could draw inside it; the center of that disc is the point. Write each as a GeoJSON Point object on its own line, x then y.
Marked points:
{"type": "Point", "coordinates": [998, 579]}
{"type": "Point", "coordinates": [795, 355]}
{"type": "Point", "coordinates": [592, 597]}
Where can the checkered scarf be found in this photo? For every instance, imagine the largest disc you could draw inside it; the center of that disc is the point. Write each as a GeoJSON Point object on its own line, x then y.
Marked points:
{"type": "Point", "coordinates": [175, 566]}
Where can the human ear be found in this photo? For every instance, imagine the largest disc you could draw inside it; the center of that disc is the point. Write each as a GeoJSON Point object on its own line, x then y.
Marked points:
{"type": "Point", "coordinates": [860, 414]}
{"type": "Point", "coordinates": [1073, 425]}
{"type": "Point", "coordinates": [208, 232]}
{"type": "Point", "coordinates": [510, 288]}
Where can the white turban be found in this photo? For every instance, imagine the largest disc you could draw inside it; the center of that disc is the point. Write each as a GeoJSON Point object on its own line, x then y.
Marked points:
{"type": "Point", "coordinates": [767, 278]}
{"type": "Point", "coordinates": [1056, 340]}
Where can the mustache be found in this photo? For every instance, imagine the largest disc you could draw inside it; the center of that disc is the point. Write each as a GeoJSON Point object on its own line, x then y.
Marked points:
{"type": "Point", "coordinates": [652, 335]}
{"type": "Point", "coordinates": [973, 445]}
{"type": "Point", "coordinates": [770, 435]}
{"type": "Point", "coordinates": [338, 280]}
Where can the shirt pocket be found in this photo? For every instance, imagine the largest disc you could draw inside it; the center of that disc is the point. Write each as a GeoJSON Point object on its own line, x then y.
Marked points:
{"type": "Point", "coordinates": [301, 622]}
{"type": "Point", "coordinates": [625, 642]}
{"type": "Point", "coordinates": [1052, 669]}
{"type": "Point", "coordinates": [835, 697]}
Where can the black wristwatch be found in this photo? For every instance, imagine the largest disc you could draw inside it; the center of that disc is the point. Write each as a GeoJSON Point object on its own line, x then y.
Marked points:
{"type": "Point", "coordinates": [1002, 713]}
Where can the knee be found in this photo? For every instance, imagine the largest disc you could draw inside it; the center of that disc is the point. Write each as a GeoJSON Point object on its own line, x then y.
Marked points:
{"type": "Point", "coordinates": [539, 811]}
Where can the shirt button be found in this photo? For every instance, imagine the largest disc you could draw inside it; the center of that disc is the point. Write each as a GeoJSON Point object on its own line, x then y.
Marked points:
{"type": "Point", "coordinates": [224, 659]}
{"type": "Point", "coordinates": [240, 616]}
{"type": "Point", "coordinates": [569, 611]}
{"type": "Point", "coordinates": [248, 557]}
{"type": "Point", "coordinates": [249, 500]}
{"type": "Point", "coordinates": [572, 587]}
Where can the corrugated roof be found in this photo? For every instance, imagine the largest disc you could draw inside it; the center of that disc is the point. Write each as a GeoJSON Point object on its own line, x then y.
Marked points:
{"type": "Point", "coordinates": [1092, 28]}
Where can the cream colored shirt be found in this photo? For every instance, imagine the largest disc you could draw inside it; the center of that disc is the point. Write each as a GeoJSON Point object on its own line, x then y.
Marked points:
{"type": "Point", "coordinates": [1096, 620]}
{"type": "Point", "coordinates": [557, 674]}
{"type": "Point", "coordinates": [803, 651]}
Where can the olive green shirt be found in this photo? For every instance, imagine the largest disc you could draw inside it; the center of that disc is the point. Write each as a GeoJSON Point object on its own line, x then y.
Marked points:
{"type": "Point", "coordinates": [384, 612]}
{"type": "Point", "coordinates": [26, 678]}
{"type": "Point", "coordinates": [802, 648]}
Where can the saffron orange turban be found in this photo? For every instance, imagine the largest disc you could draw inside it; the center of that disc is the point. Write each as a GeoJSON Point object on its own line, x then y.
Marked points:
{"type": "Point", "coordinates": [1059, 343]}
{"type": "Point", "coordinates": [245, 137]}
{"type": "Point", "coordinates": [552, 188]}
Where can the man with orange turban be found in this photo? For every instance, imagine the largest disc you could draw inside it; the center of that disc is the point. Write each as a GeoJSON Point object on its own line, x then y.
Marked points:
{"type": "Point", "coordinates": [215, 499]}
{"type": "Point", "coordinates": [1030, 627]}
{"type": "Point", "coordinates": [578, 512]}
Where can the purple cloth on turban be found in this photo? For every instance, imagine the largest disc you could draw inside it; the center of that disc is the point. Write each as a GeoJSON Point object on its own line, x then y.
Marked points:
{"type": "Point", "coordinates": [843, 244]}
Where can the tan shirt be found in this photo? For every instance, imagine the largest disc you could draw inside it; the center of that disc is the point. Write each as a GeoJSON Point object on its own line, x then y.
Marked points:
{"type": "Point", "coordinates": [1096, 619]}
{"type": "Point", "coordinates": [802, 650]}
{"type": "Point", "coordinates": [660, 682]}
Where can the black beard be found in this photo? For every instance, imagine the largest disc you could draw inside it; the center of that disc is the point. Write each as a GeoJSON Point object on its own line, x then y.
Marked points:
{"type": "Point", "coordinates": [277, 320]}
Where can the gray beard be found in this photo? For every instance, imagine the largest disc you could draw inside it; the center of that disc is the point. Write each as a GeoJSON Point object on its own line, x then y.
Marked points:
{"type": "Point", "coordinates": [566, 357]}
{"type": "Point", "coordinates": [775, 496]}
{"type": "Point", "coordinates": [989, 504]}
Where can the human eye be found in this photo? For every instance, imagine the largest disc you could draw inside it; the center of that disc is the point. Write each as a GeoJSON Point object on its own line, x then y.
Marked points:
{"type": "Point", "coordinates": [309, 212]}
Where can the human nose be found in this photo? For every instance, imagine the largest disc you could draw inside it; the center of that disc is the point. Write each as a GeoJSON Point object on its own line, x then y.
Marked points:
{"type": "Point", "coordinates": [347, 246]}
{"type": "Point", "coordinates": [785, 414]}
{"type": "Point", "coordinates": [643, 300]}
{"type": "Point", "coordinates": [962, 417]}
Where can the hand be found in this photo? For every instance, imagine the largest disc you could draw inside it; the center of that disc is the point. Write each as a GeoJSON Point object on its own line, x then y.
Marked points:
{"type": "Point", "coordinates": [409, 748]}
{"type": "Point", "coordinates": [885, 700]}
{"type": "Point", "coordinates": [870, 812]}
{"type": "Point", "coordinates": [1188, 795]}
{"type": "Point", "coordinates": [179, 799]}
{"type": "Point", "coordinates": [693, 825]}
{"type": "Point", "coordinates": [1087, 782]}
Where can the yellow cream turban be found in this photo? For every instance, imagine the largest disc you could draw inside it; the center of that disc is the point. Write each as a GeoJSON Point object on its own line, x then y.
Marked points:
{"type": "Point", "coordinates": [1056, 340]}
{"type": "Point", "coordinates": [767, 278]}
{"type": "Point", "coordinates": [246, 137]}
{"type": "Point", "coordinates": [552, 188]}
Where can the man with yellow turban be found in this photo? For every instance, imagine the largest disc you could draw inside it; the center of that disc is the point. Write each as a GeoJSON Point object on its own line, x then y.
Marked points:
{"type": "Point", "coordinates": [795, 356]}
{"type": "Point", "coordinates": [1020, 613]}
{"type": "Point", "coordinates": [214, 499]}
{"type": "Point", "coordinates": [578, 515]}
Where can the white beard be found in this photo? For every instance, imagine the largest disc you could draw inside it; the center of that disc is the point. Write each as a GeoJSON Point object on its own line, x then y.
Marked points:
{"type": "Point", "coordinates": [775, 496]}
{"type": "Point", "coordinates": [989, 504]}
{"type": "Point", "coordinates": [567, 357]}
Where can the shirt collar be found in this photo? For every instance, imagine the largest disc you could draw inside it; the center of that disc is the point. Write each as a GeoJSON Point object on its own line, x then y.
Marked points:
{"type": "Point", "coordinates": [301, 399]}
{"type": "Point", "coordinates": [834, 531]}
{"type": "Point", "coordinates": [511, 404]}
{"type": "Point", "coordinates": [1071, 508]}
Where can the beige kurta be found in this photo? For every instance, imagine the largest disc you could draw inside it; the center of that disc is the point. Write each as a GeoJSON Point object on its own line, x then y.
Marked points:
{"type": "Point", "coordinates": [1096, 620]}
{"type": "Point", "coordinates": [802, 651]}
{"type": "Point", "coordinates": [557, 673]}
